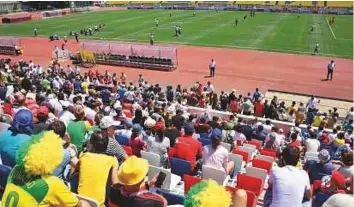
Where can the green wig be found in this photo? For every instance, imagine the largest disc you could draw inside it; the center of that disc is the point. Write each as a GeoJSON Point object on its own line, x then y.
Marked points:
{"type": "Point", "coordinates": [41, 154]}
{"type": "Point", "coordinates": [207, 194]}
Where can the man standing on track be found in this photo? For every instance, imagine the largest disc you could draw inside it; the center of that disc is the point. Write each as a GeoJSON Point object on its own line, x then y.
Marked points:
{"type": "Point", "coordinates": [77, 37]}
{"type": "Point", "coordinates": [212, 67]}
{"type": "Point", "coordinates": [35, 32]}
{"type": "Point", "coordinates": [330, 69]}
{"type": "Point", "coordinates": [317, 48]}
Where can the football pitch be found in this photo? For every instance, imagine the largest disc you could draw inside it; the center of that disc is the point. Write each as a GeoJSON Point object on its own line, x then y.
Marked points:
{"type": "Point", "coordinates": [280, 32]}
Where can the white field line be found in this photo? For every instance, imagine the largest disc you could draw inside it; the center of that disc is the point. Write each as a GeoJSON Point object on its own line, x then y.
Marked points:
{"type": "Point", "coordinates": [334, 36]}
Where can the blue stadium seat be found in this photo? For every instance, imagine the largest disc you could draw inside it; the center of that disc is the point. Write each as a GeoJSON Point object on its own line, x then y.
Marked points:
{"type": "Point", "coordinates": [204, 142]}
{"type": "Point", "coordinates": [180, 167]}
{"type": "Point", "coordinates": [4, 174]}
{"type": "Point", "coordinates": [172, 199]}
{"type": "Point", "coordinates": [122, 140]}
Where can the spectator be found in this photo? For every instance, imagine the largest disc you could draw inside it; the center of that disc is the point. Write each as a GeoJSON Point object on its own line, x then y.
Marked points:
{"type": "Point", "coordinates": [36, 160]}
{"type": "Point", "coordinates": [247, 107]}
{"type": "Point", "coordinates": [95, 167]}
{"type": "Point", "coordinates": [126, 132]}
{"type": "Point", "coordinates": [172, 133]}
{"type": "Point", "coordinates": [312, 144]}
{"type": "Point", "coordinates": [289, 185]}
{"type": "Point", "coordinates": [346, 162]}
{"type": "Point", "coordinates": [312, 103]}
{"type": "Point", "coordinates": [187, 148]}
{"type": "Point", "coordinates": [259, 134]}
{"type": "Point", "coordinates": [178, 119]}
{"type": "Point", "coordinates": [217, 156]}
{"type": "Point", "coordinates": [108, 126]}
{"type": "Point", "coordinates": [159, 144]}
{"type": "Point", "coordinates": [202, 127]}
{"type": "Point", "coordinates": [239, 136]}
{"type": "Point", "coordinates": [42, 116]}
{"type": "Point", "coordinates": [136, 140]}
{"type": "Point", "coordinates": [267, 127]}
{"type": "Point", "coordinates": [66, 116]}
{"type": "Point", "coordinates": [341, 200]}
{"type": "Point", "coordinates": [78, 128]}
{"type": "Point", "coordinates": [131, 189]}
{"type": "Point", "coordinates": [324, 165]}
{"type": "Point", "coordinates": [294, 142]}
{"type": "Point", "coordinates": [14, 137]}
{"type": "Point", "coordinates": [335, 185]}
{"type": "Point", "coordinates": [258, 108]}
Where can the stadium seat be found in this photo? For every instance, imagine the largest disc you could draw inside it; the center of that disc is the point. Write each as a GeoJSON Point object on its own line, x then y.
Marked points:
{"type": "Point", "coordinates": [257, 172]}
{"type": "Point", "coordinates": [172, 199]}
{"type": "Point", "coordinates": [255, 143]}
{"type": "Point", "coordinates": [180, 167]}
{"type": "Point", "coordinates": [250, 151]}
{"type": "Point", "coordinates": [250, 183]}
{"type": "Point", "coordinates": [204, 142]}
{"type": "Point", "coordinates": [219, 176]}
{"type": "Point", "coordinates": [266, 158]}
{"type": "Point", "coordinates": [92, 202]}
{"type": "Point", "coordinates": [249, 146]}
{"type": "Point", "coordinates": [251, 197]}
{"type": "Point", "coordinates": [319, 199]}
{"type": "Point", "coordinates": [152, 158]}
{"type": "Point", "coordinates": [122, 140]}
{"type": "Point", "coordinates": [238, 160]}
{"type": "Point", "coordinates": [171, 180]}
{"type": "Point", "coordinates": [128, 150]}
{"type": "Point", "coordinates": [189, 181]}
{"type": "Point", "coordinates": [262, 164]}
{"type": "Point", "coordinates": [244, 154]}
{"type": "Point", "coordinates": [268, 153]}
{"type": "Point", "coordinates": [4, 174]}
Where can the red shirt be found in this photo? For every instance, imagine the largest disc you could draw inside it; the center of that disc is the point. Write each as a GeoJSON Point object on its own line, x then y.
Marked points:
{"type": "Point", "coordinates": [187, 149]}
{"type": "Point", "coordinates": [295, 144]}
{"type": "Point", "coordinates": [233, 106]}
{"type": "Point", "coordinates": [258, 109]}
{"type": "Point", "coordinates": [137, 145]}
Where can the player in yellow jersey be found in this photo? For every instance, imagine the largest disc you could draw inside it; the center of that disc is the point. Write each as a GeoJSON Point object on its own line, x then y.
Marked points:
{"type": "Point", "coordinates": [31, 183]}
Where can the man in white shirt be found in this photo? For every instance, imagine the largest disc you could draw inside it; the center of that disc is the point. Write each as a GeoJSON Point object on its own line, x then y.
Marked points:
{"type": "Point", "coordinates": [212, 66]}
{"type": "Point", "coordinates": [330, 69]}
{"type": "Point", "coordinates": [66, 116]}
{"type": "Point", "coordinates": [312, 103]}
{"type": "Point", "coordinates": [312, 144]}
{"type": "Point", "coordinates": [239, 136]}
{"type": "Point", "coordinates": [217, 156]}
{"type": "Point", "coordinates": [210, 87]}
{"type": "Point", "coordinates": [267, 127]}
{"type": "Point", "coordinates": [289, 184]}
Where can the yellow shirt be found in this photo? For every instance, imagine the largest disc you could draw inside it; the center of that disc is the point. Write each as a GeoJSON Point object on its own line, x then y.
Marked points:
{"type": "Point", "coordinates": [84, 86]}
{"type": "Point", "coordinates": [339, 141]}
{"type": "Point", "coordinates": [46, 191]}
{"type": "Point", "coordinates": [317, 121]}
{"type": "Point", "coordinates": [94, 171]}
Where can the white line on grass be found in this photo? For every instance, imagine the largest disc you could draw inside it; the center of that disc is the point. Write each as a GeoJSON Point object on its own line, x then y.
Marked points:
{"type": "Point", "coordinates": [334, 36]}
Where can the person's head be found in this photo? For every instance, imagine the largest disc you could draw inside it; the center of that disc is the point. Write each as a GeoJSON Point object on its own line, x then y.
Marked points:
{"type": "Point", "coordinates": [132, 173]}
{"type": "Point", "coordinates": [208, 83]}
{"type": "Point", "coordinates": [42, 114]}
{"type": "Point", "coordinates": [79, 114]}
{"type": "Point", "coordinates": [291, 156]}
{"type": "Point", "coordinates": [98, 118]}
{"type": "Point", "coordinates": [324, 156]}
{"type": "Point", "coordinates": [58, 127]}
{"type": "Point", "coordinates": [138, 114]}
{"type": "Point", "coordinates": [208, 193]}
{"type": "Point", "coordinates": [189, 130]}
{"type": "Point", "coordinates": [260, 127]}
{"type": "Point", "coordinates": [99, 142]}
{"type": "Point", "coordinates": [136, 130]}
{"type": "Point", "coordinates": [267, 122]}
{"type": "Point", "coordinates": [257, 89]}
{"type": "Point", "coordinates": [108, 124]}
{"type": "Point", "coordinates": [216, 136]}
{"type": "Point", "coordinates": [332, 61]}
{"type": "Point", "coordinates": [337, 180]}
{"type": "Point", "coordinates": [293, 137]}
{"type": "Point", "coordinates": [347, 157]}
{"type": "Point", "coordinates": [22, 122]}
{"type": "Point", "coordinates": [340, 135]}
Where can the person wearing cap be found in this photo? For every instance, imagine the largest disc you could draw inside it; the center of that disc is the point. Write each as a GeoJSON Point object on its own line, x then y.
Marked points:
{"type": "Point", "coordinates": [131, 190]}
{"type": "Point", "coordinates": [341, 199]}
{"type": "Point", "coordinates": [159, 143]}
{"type": "Point", "coordinates": [127, 130]}
{"type": "Point", "coordinates": [94, 168]}
{"type": "Point", "coordinates": [31, 182]}
{"type": "Point", "coordinates": [187, 148]}
{"type": "Point", "coordinates": [217, 156]}
{"type": "Point", "coordinates": [14, 137]}
{"type": "Point", "coordinates": [78, 128]}
{"type": "Point", "coordinates": [108, 125]}
{"type": "Point", "coordinates": [335, 185]}
{"type": "Point", "coordinates": [42, 116]}
{"type": "Point", "coordinates": [288, 184]}
{"type": "Point", "coordinates": [323, 166]}
{"type": "Point", "coordinates": [136, 141]}
{"type": "Point", "coordinates": [65, 115]}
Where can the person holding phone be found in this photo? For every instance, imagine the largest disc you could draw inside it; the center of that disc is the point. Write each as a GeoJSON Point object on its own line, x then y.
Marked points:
{"type": "Point", "coordinates": [131, 190]}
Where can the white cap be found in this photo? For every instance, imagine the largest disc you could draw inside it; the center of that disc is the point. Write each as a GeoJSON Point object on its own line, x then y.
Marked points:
{"type": "Point", "coordinates": [108, 121]}
{"type": "Point", "coordinates": [149, 123]}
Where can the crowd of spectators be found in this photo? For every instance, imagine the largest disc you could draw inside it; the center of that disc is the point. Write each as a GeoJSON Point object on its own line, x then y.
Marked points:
{"type": "Point", "coordinates": [87, 116]}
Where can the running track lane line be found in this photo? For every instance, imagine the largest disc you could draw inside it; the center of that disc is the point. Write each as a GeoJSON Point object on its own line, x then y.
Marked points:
{"type": "Point", "coordinates": [331, 29]}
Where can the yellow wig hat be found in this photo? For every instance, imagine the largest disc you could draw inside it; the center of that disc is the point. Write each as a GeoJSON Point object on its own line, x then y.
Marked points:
{"type": "Point", "coordinates": [40, 155]}
{"type": "Point", "coordinates": [207, 194]}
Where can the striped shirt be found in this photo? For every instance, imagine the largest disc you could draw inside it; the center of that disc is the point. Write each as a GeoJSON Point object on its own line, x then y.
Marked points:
{"type": "Point", "coordinates": [115, 149]}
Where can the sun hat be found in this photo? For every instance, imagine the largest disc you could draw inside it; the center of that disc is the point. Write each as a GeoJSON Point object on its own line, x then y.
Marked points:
{"type": "Point", "coordinates": [136, 128]}
{"type": "Point", "coordinates": [23, 121]}
{"type": "Point", "coordinates": [324, 156]}
{"type": "Point", "coordinates": [132, 171]}
{"type": "Point", "coordinates": [189, 129]}
{"type": "Point", "coordinates": [338, 178]}
{"type": "Point", "coordinates": [149, 123]}
{"type": "Point", "coordinates": [108, 121]}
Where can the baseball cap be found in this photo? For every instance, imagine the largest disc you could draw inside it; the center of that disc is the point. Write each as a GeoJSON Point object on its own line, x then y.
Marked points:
{"type": "Point", "coordinates": [108, 121]}
{"type": "Point", "coordinates": [149, 123]}
{"type": "Point", "coordinates": [43, 110]}
{"type": "Point", "coordinates": [324, 156]}
{"type": "Point", "coordinates": [189, 129]}
{"type": "Point", "coordinates": [136, 128]}
{"type": "Point", "coordinates": [337, 178]}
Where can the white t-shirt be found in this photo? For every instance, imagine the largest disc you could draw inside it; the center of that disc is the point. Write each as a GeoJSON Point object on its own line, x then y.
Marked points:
{"type": "Point", "coordinates": [217, 159]}
{"type": "Point", "coordinates": [240, 136]}
{"type": "Point", "coordinates": [312, 145]}
{"type": "Point", "coordinates": [312, 103]}
{"type": "Point", "coordinates": [66, 117]}
{"type": "Point", "coordinates": [212, 64]}
{"type": "Point", "coordinates": [267, 128]}
{"type": "Point", "coordinates": [210, 88]}
{"type": "Point", "coordinates": [332, 137]}
{"type": "Point", "coordinates": [289, 186]}
{"type": "Point", "coordinates": [339, 200]}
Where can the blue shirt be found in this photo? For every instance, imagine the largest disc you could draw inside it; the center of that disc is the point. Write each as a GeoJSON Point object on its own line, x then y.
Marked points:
{"type": "Point", "coordinates": [9, 145]}
{"type": "Point", "coordinates": [60, 171]}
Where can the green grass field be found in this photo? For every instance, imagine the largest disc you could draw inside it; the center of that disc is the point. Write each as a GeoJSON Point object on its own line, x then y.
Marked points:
{"type": "Point", "coordinates": [267, 31]}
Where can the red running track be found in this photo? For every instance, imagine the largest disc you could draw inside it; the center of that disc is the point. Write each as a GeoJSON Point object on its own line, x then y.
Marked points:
{"type": "Point", "coordinates": [241, 69]}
